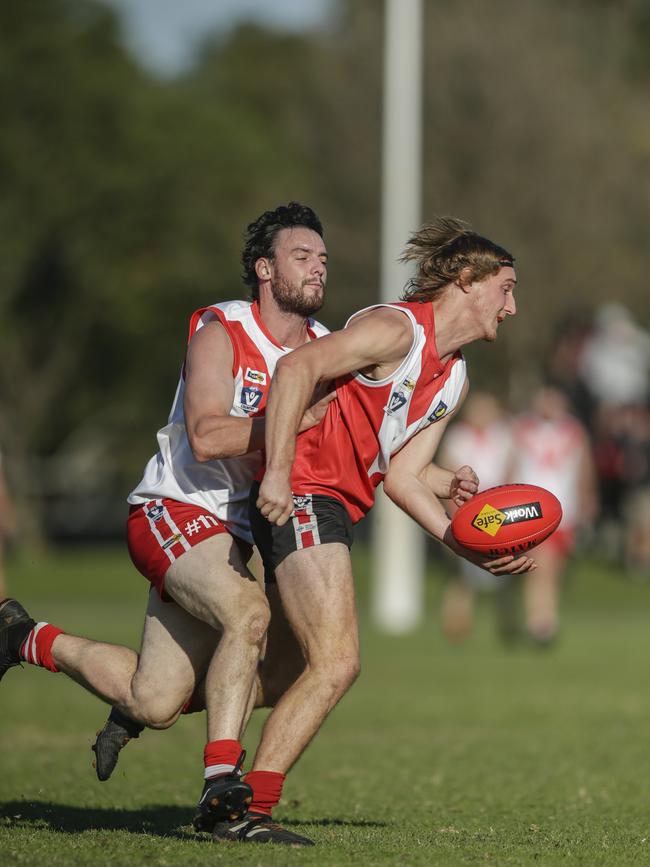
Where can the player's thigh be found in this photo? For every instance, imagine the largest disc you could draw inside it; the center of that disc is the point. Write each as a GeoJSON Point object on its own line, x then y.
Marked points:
{"type": "Point", "coordinates": [317, 590]}
{"type": "Point", "coordinates": [175, 651]}
{"type": "Point", "coordinates": [212, 582]}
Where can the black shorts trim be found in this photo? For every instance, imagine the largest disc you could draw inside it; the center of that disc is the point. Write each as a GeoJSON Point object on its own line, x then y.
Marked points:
{"type": "Point", "coordinates": [316, 520]}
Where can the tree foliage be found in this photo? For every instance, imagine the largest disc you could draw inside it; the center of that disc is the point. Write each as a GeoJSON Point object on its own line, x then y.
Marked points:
{"type": "Point", "coordinates": [124, 198]}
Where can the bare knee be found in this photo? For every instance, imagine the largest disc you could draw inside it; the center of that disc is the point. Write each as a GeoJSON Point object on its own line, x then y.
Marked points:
{"type": "Point", "coordinates": [336, 676]}
{"type": "Point", "coordinates": [250, 621]}
{"type": "Point", "coordinates": [256, 623]}
{"type": "Point", "coordinates": [348, 672]}
{"type": "Point", "coordinates": [154, 709]}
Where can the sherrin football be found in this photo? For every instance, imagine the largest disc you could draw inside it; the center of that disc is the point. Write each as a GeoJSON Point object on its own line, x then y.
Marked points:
{"type": "Point", "coordinates": [508, 519]}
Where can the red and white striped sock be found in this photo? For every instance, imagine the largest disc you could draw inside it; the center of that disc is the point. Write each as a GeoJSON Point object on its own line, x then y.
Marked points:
{"type": "Point", "coordinates": [267, 790]}
{"type": "Point", "coordinates": [220, 757]}
{"type": "Point", "coordinates": [37, 647]}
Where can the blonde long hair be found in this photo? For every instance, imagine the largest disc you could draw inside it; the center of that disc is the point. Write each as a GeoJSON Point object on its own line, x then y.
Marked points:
{"type": "Point", "coordinates": [441, 249]}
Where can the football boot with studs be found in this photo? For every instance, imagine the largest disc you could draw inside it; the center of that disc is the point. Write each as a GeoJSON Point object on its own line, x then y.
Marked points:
{"type": "Point", "coordinates": [257, 828]}
{"type": "Point", "coordinates": [224, 799]}
{"type": "Point", "coordinates": [117, 732]}
{"type": "Point", "coordinates": [15, 626]}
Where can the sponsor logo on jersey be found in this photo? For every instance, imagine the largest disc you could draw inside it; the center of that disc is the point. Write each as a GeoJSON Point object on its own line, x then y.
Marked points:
{"type": "Point", "coordinates": [250, 398]}
{"type": "Point", "coordinates": [171, 541]}
{"type": "Point", "coordinates": [397, 401]}
{"type": "Point", "coordinates": [155, 513]}
{"type": "Point", "coordinates": [525, 512]}
{"type": "Point", "coordinates": [489, 520]}
{"type": "Point", "coordinates": [439, 411]}
{"type": "Point", "coordinates": [258, 376]}
{"type": "Point", "coordinates": [409, 383]}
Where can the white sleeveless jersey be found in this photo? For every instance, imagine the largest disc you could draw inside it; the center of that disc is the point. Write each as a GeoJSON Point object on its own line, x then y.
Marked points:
{"type": "Point", "coordinates": [488, 450]}
{"type": "Point", "coordinates": [219, 486]}
{"type": "Point", "coordinates": [549, 453]}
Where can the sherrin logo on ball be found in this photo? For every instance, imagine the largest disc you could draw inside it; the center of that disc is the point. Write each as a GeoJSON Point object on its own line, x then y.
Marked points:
{"type": "Point", "coordinates": [507, 519]}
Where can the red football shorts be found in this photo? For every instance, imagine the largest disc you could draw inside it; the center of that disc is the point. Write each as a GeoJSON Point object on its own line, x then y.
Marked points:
{"type": "Point", "coordinates": [161, 531]}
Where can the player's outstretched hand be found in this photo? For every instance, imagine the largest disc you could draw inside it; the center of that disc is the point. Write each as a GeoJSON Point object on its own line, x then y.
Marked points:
{"type": "Point", "coordinates": [508, 565]}
{"type": "Point", "coordinates": [463, 486]}
{"type": "Point", "coordinates": [275, 500]}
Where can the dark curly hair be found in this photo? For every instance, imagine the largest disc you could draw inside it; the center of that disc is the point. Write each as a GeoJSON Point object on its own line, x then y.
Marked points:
{"type": "Point", "coordinates": [441, 249]}
{"type": "Point", "coordinates": [260, 236]}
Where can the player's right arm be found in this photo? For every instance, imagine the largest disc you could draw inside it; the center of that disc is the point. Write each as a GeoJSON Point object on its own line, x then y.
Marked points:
{"type": "Point", "coordinates": [209, 391]}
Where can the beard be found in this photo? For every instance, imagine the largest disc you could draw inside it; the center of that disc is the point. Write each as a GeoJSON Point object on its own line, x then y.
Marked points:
{"type": "Point", "coordinates": [292, 298]}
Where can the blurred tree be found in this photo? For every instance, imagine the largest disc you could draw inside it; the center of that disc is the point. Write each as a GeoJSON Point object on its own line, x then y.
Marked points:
{"type": "Point", "coordinates": [69, 176]}
{"type": "Point", "coordinates": [533, 135]}
{"type": "Point", "coordinates": [124, 199]}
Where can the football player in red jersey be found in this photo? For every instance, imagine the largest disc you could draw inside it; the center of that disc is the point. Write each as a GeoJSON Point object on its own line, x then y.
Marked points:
{"type": "Point", "coordinates": [189, 534]}
{"type": "Point", "coordinates": [399, 377]}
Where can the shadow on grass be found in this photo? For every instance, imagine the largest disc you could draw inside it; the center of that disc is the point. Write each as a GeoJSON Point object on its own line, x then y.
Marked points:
{"type": "Point", "coordinates": [156, 820]}
{"type": "Point", "coordinates": [333, 823]}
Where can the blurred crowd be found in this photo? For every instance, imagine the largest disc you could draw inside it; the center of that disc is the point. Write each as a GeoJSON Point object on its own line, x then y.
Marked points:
{"type": "Point", "coordinates": [584, 434]}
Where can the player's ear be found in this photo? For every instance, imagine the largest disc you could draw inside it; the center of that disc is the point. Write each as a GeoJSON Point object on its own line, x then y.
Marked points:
{"type": "Point", "coordinates": [465, 279]}
{"type": "Point", "coordinates": [263, 268]}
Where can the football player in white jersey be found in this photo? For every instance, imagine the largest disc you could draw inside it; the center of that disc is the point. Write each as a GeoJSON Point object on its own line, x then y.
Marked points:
{"type": "Point", "coordinates": [483, 431]}
{"type": "Point", "coordinates": [399, 376]}
{"type": "Point", "coordinates": [188, 533]}
{"type": "Point", "coordinates": [552, 449]}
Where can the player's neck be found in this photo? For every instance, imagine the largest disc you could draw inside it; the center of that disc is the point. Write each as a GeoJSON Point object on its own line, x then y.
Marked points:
{"type": "Point", "coordinates": [287, 329]}
{"type": "Point", "coordinates": [454, 327]}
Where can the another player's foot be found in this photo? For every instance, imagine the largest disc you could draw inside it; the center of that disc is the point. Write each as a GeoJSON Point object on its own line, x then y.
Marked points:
{"type": "Point", "coordinates": [117, 732]}
{"type": "Point", "coordinates": [257, 828]}
{"type": "Point", "coordinates": [224, 799]}
{"type": "Point", "coordinates": [15, 626]}
{"type": "Point", "coordinates": [543, 636]}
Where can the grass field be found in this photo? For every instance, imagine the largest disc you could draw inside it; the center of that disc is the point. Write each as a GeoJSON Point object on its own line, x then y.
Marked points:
{"type": "Point", "coordinates": [440, 755]}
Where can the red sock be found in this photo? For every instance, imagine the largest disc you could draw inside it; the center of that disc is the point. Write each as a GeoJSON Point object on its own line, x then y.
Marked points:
{"type": "Point", "coordinates": [37, 647]}
{"type": "Point", "coordinates": [220, 757]}
{"type": "Point", "coordinates": [267, 790]}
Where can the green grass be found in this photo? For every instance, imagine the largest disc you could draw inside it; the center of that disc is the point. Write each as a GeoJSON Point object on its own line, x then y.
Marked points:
{"type": "Point", "coordinates": [440, 755]}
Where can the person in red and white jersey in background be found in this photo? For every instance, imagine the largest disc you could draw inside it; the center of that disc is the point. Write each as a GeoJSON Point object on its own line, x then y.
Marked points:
{"type": "Point", "coordinates": [189, 534]}
{"type": "Point", "coordinates": [484, 431]}
{"type": "Point", "coordinates": [551, 449]}
{"type": "Point", "coordinates": [400, 377]}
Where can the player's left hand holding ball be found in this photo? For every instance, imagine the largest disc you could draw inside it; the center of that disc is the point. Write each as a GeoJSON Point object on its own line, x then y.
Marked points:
{"type": "Point", "coordinates": [507, 564]}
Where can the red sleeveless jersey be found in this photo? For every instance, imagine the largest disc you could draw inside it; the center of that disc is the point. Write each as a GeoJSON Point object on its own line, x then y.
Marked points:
{"type": "Point", "coordinates": [348, 453]}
